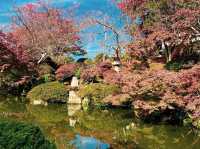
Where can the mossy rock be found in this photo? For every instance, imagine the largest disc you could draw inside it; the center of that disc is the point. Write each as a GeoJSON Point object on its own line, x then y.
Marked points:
{"type": "Point", "coordinates": [118, 100]}
{"type": "Point", "coordinates": [17, 135]}
{"type": "Point", "coordinates": [98, 91]}
{"type": "Point", "coordinates": [51, 92]}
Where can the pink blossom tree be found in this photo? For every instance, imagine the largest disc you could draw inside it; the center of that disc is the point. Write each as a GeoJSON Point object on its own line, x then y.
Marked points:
{"type": "Point", "coordinates": [171, 26]}
{"type": "Point", "coordinates": [41, 28]}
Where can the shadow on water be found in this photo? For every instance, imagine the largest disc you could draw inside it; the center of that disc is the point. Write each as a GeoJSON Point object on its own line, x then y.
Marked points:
{"type": "Point", "coordinates": [71, 127]}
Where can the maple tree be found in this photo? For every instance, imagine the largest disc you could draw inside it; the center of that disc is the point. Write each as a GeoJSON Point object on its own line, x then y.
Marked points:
{"type": "Point", "coordinates": [11, 54]}
{"type": "Point", "coordinates": [169, 27]}
{"type": "Point", "coordinates": [89, 75]}
{"type": "Point", "coordinates": [16, 66]}
{"type": "Point", "coordinates": [165, 88]}
{"type": "Point", "coordinates": [41, 28]}
{"type": "Point", "coordinates": [65, 72]}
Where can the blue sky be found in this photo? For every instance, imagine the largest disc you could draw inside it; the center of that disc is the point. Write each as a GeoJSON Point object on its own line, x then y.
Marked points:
{"type": "Point", "coordinates": [93, 46]}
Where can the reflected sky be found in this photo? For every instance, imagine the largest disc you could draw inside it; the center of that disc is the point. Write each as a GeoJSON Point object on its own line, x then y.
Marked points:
{"type": "Point", "coordinates": [81, 142]}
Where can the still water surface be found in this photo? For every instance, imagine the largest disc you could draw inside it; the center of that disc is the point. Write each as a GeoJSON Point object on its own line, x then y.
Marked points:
{"type": "Point", "coordinates": [71, 127]}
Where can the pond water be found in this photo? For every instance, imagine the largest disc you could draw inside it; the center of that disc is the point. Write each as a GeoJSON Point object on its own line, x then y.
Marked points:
{"type": "Point", "coordinates": [71, 127]}
{"type": "Point", "coordinates": [81, 142]}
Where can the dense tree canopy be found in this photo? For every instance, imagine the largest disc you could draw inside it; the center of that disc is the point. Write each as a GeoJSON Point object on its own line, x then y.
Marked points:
{"type": "Point", "coordinates": [11, 54]}
{"type": "Point", "coordinates": [16, 65]}
{"type": "Point", "coordinates": [169, 25]}
{"type": "Point", "coordinates": [42, 28]}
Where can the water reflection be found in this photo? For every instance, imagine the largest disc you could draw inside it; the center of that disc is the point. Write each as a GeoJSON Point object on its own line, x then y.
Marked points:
{"type": "Point", "coordinates": [117, 127]}
{"type": "Point", "coordinates": [72, 109]}
{"type": "Point", "coordinates": [81, 142]}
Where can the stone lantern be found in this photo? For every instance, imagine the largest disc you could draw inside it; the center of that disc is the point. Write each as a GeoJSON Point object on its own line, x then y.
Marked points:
{"type": "Point", "coordinates": [116, 64]}
{"type": "Point", "coordinates": [73, 97]}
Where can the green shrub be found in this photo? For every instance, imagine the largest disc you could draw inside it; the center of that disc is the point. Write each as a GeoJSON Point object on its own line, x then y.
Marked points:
{"type": "Point", "coordinates": [98, 91]}
{"type": "Point", "coordinates": [46, 73]}
{"type": "Point", "coordinates": [15, 135]}
{"type": "Point", "coordinates": [174, 65]}
{"type": "Point", "coordinates": [78, 73]}
{"type": "Point", "coordinates": [48, 78]}
{"type": "Point", "coordinates": [49, 91]}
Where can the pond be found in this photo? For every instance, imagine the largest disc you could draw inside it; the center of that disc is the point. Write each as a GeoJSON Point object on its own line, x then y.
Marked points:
{"type": "Point", "coordinates": [71, 127]}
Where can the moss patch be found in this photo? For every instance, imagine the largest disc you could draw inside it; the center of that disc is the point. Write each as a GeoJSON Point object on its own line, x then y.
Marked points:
{"type": "Point", "coordinates": [98, 91]}
{"type": "Point", "coordinates": [49, 91]}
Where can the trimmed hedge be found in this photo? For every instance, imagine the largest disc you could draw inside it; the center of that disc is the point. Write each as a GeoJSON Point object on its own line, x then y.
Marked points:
{"type": "Point", "coordinates": [17, 135]}
{"type": "Point", "coordinates": [49, 91]}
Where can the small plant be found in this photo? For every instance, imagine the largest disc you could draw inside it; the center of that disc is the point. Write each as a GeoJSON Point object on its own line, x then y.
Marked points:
{"type": "Point", "coordinates": [124, 136]}
{"type": "Point", "coordinates": [48, 78]}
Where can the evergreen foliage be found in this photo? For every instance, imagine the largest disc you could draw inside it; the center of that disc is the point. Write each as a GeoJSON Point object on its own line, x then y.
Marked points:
{"type": "Point", "coordinates": [15, 135]}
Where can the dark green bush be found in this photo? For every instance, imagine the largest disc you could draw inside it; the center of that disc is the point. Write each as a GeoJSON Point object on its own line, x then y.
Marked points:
{"type": "Point", "coordinates": [174, 65]}
{"type": "Point", "coordinates": [15, 135]}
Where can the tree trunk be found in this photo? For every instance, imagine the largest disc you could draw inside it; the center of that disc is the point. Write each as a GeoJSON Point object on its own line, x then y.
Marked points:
{"type": "Point", "coordinates": [169, 55]}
